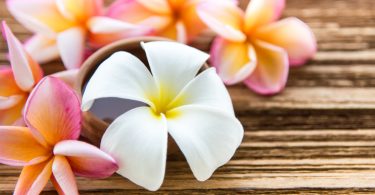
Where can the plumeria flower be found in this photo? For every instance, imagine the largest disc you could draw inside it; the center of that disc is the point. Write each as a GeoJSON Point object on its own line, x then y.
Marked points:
{"type": "Point", "coordinates": [62, 27]}
{"type": "Point", "coordinates": [17, 81]}
{"type": "Point", "coordinates": [48, 147]}
{"type": "Point", "coordinates": [196, 110]}
{"type": "Point", "coordinates": [253, 47]}
{"type": "Point", "coordinates": [174, 19]}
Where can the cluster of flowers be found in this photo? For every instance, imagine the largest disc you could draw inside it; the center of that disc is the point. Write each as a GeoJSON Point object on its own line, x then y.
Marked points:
{"type": "Point", "coordinates": [196, 110]}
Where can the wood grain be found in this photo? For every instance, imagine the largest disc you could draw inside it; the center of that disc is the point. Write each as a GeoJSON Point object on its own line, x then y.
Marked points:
{"type": "Point", "coordinates": [316, 137]}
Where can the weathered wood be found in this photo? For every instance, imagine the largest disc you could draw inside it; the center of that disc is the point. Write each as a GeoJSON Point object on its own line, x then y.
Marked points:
{"type": "Point", "coordinates": [317, 136]}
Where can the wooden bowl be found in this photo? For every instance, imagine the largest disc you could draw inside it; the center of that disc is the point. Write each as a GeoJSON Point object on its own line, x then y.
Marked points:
{"type": "Point", "coordinates": [94, 127]}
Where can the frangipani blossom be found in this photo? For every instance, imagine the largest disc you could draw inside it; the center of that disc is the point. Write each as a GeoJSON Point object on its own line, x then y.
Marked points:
{"type": "Point", "coordinates": [253, 46]}
{"type": "Point", "coordinates": [17, 81]}
{"type": "Point", "coordinates": [174, 19]}
{"type": "Point", "coordinates": [196, 110]}
{"type": "Point", "coordinates": [48, 147]}
{"type": "Point", "coordinates": [62, 27]}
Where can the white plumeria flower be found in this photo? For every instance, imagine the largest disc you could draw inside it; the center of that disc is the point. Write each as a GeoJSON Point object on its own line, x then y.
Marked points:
{"type": "Point", "coordinates": [196, 110]}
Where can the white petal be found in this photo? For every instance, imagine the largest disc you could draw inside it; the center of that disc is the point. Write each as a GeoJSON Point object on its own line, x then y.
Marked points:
{"type": "Point", "coordinates": [101, 24]}
{"type": "Point", "coordinates": [137, 140]}
{"type": "Point", "coordinates": [68, 76]}
{"type": "Point", "coordinates": [173, 65]}
{"type": "Point", "coordinates": [8, 102]}
{"type": "Point", "coordinates": [123, 76]}
{"type": "Point", "coordinates": [19, 60]}
{"type": "Point", "coordinates": [208, 138]}
{"type": "Point", "coordinates": [42, 49]}
{"type": "Point", "coordinates": [71, 45]}
{"type": "Point", "coordinates": [206, 89]}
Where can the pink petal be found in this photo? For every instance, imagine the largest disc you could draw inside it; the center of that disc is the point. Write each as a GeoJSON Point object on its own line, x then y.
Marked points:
{"type": "Point", "coordinates": [39, 16]}
{"type": "Point", "coordinates": [41, 48]}
{"type": "Point", "coordinates": [33, 178]}
{"type": "Point", "coordinates": [18, 147]}
{"type": "Point", "coordinates": [71, 45]}
{"type": "Point", "coordinates": [223, 17]}
{"type": "Point", "coordinates": [8, 85]}
{"type": "Point", "coordinates": [26, 71]}
{"type": "Point", "coordinates": [132, 11]}
{"type": "Point", "coordinates": [158, 6]}
{"type": "Point", "coordinates": [68, 76]}
{"type": "Point", "coordinates": [189, 16]}
{"type": "Point", "coordinates": [53, 111]}
{"type": "Point", "coordinates": [64, 176]}
{"type": "Point", "coordinates": [80, 10]}
{"type": "Point", "coordinates": [261, 12]}
{"type": "Point", "coordinates": [86, 160]}
{"type": "Point", "coordinates": [13, 115]}
{"type": "Point", "coordinates": [271, 72]}
{"type": "Point", "coordinates": [294, 36]}
{"type": "Point", "coordinates": [234, 61]}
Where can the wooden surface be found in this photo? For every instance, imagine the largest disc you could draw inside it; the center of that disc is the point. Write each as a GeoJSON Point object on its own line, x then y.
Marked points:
{"type": "Point", "coordinates": [318, 136]}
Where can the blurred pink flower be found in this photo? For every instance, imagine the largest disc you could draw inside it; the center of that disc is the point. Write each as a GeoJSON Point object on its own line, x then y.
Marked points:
{"type": "Point", "coordinates": [63, 27]}
{"type": "Point", "coordinates": [174, 19]}
{"type": "Point", "coordinates": [253, 47]}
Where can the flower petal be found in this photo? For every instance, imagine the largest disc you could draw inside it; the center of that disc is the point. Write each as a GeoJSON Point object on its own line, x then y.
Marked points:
{"type": "Point", "coordinates": [12, 115]}
{"type": "Point", "coordinates": [10, 101]}
{"type": "Point", "coordinates": [26, 71]}
{"type": "Point", "coordinates": [101, 24]}
{"type": "Point", "coordinates": [193, 24]}
{"type": "Point", "coordinates": [42, 49]}
{"type": "Point", "coordinates": [68, 76]}
{"type": "Point", "coordinates": [294, 36]}
{"type": "Point", "coordinates": [79, 10]}
{"type": "Point", "coordinates": [173, 72]}
{"type": "Point", "coordinates": [64, 176]}
{"type": "Point", "coordinates": [271, 73]}
{"type": "Point", "coordinates": [223, 17]}
{"type": "Point", "coordinates": [86, 160]}
{"type": "Point", "coordinates": [39, 16]}
{"type": "Point", "coordinates": [134, 12]}
{"type": "Point", "coordinates": [207, 137]}
{"type": "Point", "coordinates": [8, 85]}
{"type": "Point", "coordinates": [18, 147]}
{"type": "Point", "coordinates": [261, 12]}
{"type": "Point", "coordinates": [234, 61]}
{"type": "Point", "coordinates": [206, 89]}
{"type": "Point", "coordinates": [158, 6]}
{"type": "Point", "coordinates": [53, 111]}
{"type": "Point", "coordinates": [139, 147]}
{"type": "Point", "coordinates": [71, 45]}
{"type": "Point", "coordinates": [33, 178]}
{"type": "Point", "coordinates": [108, 81]}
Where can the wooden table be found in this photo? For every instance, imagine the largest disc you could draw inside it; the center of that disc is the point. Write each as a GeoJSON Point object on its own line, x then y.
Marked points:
{"type": "Point", "coordinates": [318, 136]}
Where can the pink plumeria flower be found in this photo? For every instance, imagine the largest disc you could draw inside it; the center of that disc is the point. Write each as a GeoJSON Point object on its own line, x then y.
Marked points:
{"type": "Point", "coordinates": [174, 19]}
{"type": "Point", "coordinates": [17, 80]}
{"type": "Point", "coordinates": [48, 147]}
{"type": "Point", "coordinates": [253, 47]}
{"type": "Point", "coordinates": [62, 27]}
